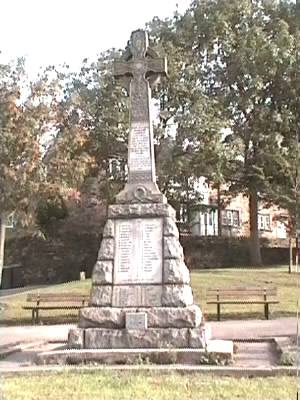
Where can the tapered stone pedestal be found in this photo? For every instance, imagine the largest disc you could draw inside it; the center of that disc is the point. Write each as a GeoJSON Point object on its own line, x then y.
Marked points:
{"type": "Point", "coordinates": [140, 269]}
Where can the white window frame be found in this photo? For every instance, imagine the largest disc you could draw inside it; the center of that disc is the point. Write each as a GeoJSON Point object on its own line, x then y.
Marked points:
{"type": "Point", "coordinates": [229, 216]}
{"type": "Point", "coordinates": [264, 222]}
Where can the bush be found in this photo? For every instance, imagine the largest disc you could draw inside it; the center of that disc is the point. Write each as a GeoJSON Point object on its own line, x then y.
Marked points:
{"type": "Point", "coordinates": [53, 208]}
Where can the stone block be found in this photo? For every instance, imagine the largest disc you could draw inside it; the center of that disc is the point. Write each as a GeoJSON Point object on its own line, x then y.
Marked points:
{"type": "Point", "coordinates": [175, 271]}
{"type": "Point", "coordinates": [147, 192]}
{"type": "Point", "coordinates": [157, 317]}
{"type": "Point", "coordinates": [141, 210]}
{"type": "Point", "coordinates": [106, 251]}
{"type": "Point", "coordinates": [197, 338]}
{"type": "Point", "coordinates": [101, 296]}
{"type": "Point", "coordinates": [177, 296]}
{"type": "Point", "coordinates": [174, 317]}
{"type": "Point", "coordinates": [103, 272]}
{"type": "Point", "coordinates": [76, 338]}
{"type": "Point", "coordinates": [172, 248]}
{"type": "Point", "coordinates": [101, 317]}
{"type": "Point", "coordinates": [170, 227]}
{"type": "Point", "coordinates": [97, 338]}
{"type": "Point", "coordinates": [137, 296]}
{"type": "Point", "coordinates": [109, 229]}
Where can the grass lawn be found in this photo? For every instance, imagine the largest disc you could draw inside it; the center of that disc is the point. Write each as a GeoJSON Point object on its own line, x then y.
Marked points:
{"type": "Point", "coordinates": [201, 280]}
{"type": "Point", "coordinates": [108, 385]}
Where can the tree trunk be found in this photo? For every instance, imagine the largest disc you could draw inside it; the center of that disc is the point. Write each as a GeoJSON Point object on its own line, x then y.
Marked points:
{"type": "Point", "coordinates": [291, 255]}
{"type": "Point", "coordinates": [219, 205]}
{"type": "Point", "coordinates": [2, 241]}
{"type": "Point", "coordinates": [297, 253]}
{"type": "Point", "coordinates": [255, 254]}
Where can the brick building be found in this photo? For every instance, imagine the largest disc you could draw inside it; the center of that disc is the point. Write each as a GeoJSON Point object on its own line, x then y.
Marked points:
{"type": "Point", "coordinates": [235, 218]}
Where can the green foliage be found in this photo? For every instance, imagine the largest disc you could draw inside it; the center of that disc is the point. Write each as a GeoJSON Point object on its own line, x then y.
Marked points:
{"type": "Point", "coordinates": [22, 124]}
{"type": "Point", "coordinates": [188, 133]}
{"type": "Point", "coordinates": [91, 127]}
{"type": "Point", "coordinates": [50, 209]}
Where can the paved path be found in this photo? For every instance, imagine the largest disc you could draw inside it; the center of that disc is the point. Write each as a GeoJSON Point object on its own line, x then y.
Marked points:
{"type": "Point", "coordinates": [4, 293]}
{"type": "Point", "coordinates": [254, 329]}
{"type": "Point", "coordinates": [234, 330]}
{"type": "Point", "coordinates": [31, 333]}
{"type": "Point", "coordinates": [250, 354]}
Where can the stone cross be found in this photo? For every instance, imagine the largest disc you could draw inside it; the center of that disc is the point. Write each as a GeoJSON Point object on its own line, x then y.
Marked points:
{"type": "Point", "coordinates": [140, 66]}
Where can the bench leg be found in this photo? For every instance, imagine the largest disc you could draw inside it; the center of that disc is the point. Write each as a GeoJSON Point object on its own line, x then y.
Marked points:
{"type": "Point", "coordinates": [219, 312]}
{"type": "Point", "coordinates": [37, 316]}
{"type": "Point", "coordinates": [33, 316]}
{"type": "Point", "coordinates": [267, 310]}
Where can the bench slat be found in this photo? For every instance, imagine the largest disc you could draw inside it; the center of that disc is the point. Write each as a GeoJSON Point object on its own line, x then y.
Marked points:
{"type": "Point", "coordinates": [240, 296]}
{"type": "Point", "coordinates": [56, 300]}
{"type": "Point", "coordinates": [242, 289]}
{"type": "Point", "coordinates": [243, 302]}
{"type": "Point", "coordinates": [240, 293]}
{"type": "Point", "coordinates": [51, 297]}
{"type": "Point", "coordinates": [74, 307]}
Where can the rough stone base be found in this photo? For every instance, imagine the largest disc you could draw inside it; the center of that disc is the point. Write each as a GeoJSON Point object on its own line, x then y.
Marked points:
{"type": "Point", "coordinates": [101, 338]}
{"type": "Point", "coordinates": [157, 317]}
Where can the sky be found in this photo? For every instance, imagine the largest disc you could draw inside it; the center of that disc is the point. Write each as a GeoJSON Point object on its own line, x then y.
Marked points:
{"type": "Point", "coordinates": [51, 32]}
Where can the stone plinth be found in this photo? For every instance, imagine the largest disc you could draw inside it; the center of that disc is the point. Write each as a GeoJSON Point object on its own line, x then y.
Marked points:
{"type": "Point", "coordinates": [103, 338]}
{"type": "Point", "coordinates": [157, 317]}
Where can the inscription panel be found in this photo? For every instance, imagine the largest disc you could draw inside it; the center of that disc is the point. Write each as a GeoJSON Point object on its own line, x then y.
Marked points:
{"type": "Point", "coordinates": [138, 252]}
{"type": "Point", "coordinates": [137, 296]}
{"type": "Point", "coordinates": [137, 320]}
{"type": "Point", "coordinates": [139, 156]}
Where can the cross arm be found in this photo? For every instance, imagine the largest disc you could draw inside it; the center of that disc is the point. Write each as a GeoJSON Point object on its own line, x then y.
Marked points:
{"type": "Point", "coordinates": [157, 65]}
{"type": "Point", "coordinates": [122, 68]}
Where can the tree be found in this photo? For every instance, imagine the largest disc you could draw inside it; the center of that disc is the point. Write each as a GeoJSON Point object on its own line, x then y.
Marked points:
{"type": "Point", "coordinates": [284, 186]}
{"type": "Point", "coordinates": [92, 128]}
{"type": "Point", "coordinates": [22, 124]}
{"type": "Point", "coordinates": [234, 52]}
{"type": "Point", "coordinates": [188, 134]}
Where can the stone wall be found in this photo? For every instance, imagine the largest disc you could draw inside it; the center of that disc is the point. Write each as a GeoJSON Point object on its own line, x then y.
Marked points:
{"type": "Point", "coordinates": [213, 251]}
{"type": "Point", "coordinates": [71, 245]}
{"type": "Point", "coordinates": [55, 260]}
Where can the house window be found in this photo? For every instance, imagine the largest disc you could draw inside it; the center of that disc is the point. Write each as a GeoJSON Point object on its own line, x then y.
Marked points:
{"type": "Point", "coordinates": [230, 218]}
{"type": "Point", "coordinates": [264, 222]}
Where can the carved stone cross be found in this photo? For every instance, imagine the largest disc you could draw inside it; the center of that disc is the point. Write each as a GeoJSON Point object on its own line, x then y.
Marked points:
{"type": "Point", "coordinates": [140, 66]}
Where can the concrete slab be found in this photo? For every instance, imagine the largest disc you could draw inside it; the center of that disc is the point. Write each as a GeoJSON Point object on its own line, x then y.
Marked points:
{"type": "Point", "coordinates": [256, 354]}
{"type": "Point", "coordinates": [221, 353]}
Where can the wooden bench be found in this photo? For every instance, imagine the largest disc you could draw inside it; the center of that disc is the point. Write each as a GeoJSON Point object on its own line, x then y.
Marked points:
{"type": "Point", "coordinates": [242, 295]}
{"type": "Point", "coordinates": [54, 301]}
